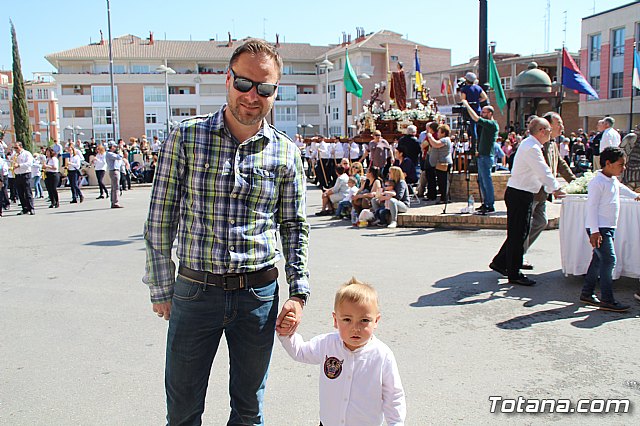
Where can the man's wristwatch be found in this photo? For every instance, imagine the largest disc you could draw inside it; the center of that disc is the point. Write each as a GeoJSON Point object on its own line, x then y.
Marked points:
{"type": "Point", "coordinates": [302, 297]}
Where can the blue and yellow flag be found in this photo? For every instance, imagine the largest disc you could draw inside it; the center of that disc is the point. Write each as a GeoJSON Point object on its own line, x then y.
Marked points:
{"type": "Point", "coordinates": [418, 73]}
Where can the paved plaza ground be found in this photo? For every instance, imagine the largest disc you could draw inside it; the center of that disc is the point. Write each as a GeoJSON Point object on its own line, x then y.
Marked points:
{"type": "Point", "coordinates": [79, 344]}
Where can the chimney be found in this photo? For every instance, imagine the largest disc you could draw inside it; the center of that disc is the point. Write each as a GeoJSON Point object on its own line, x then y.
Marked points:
{"type": "Point", "coordinates": [101, 38]}
{"type": "Point", "coordinates": [150, 37]}
{"type": "Point", "coordinates": [230, 42]}
{"type": "Point", "coordinates": [349, 39]}
{"type": "Point", "coordinates": [277, 40]}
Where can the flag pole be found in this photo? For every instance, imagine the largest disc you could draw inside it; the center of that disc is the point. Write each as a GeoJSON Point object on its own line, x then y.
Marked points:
{"type": "Point", "coordinates": [634, 65]}
{"type": "Point", "coordinates": [561, 78]}
{"type": "Point", "coordinates": [446, 92]}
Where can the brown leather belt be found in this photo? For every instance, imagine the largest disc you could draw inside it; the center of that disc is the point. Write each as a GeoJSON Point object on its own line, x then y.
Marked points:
{"type": "Point", "coordinates": [231, 281]}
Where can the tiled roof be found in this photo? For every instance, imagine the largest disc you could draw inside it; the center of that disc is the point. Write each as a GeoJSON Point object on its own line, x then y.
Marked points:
{"type": "Point", "coordinates": [132, 47]}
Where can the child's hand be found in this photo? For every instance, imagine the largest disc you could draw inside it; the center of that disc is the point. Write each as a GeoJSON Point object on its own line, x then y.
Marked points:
{"type": "Point", "coordinates": [287, 322]}
{"type": "Point", "coordinates": [595, 239]}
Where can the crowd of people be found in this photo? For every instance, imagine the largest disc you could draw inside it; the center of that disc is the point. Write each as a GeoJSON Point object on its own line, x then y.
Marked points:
{"type": "Point", "coordinates": [23, 173]}
{"type": "Point", "coordinates": [427, 159]}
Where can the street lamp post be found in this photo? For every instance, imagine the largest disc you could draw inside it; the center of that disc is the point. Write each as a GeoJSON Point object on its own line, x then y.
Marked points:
{"type": "Point", "coordinates": [327, 66]}
{"type": "Point", "coordinates": [304, 128]}
{"type": "Point", "coordinates": [43, 123]}
{"type": "Point", "coordinates": [166, 71]}
{"type": "Point", "coordinates": [75, 131]}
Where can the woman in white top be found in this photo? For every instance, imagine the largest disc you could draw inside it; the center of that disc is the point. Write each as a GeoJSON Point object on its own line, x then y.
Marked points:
{"type": "Point", "coordinates": [52, 177]}
{"type": "Point", "coordinates": [336, 193]}
{"type": "Point", "coordinates": [36, 175]}
{"type": "Point", "coordinates": [75, 162]}
{"type": "Point", "coordinates": [100, 165]}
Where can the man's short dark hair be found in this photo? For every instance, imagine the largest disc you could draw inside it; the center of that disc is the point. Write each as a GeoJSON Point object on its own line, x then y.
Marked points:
{"type": "Point", "coordinates": [611, 154]}
{"type": "Point", "coordinates": [550, 116]}
{"type": "Point", "coordinates": [609, 120]}
{"type": "Point", "coordinates": [256, 46]}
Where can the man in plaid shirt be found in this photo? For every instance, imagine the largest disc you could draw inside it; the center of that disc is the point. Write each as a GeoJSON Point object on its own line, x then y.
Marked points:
{"type": "Point", "coordinates": [224, 183]}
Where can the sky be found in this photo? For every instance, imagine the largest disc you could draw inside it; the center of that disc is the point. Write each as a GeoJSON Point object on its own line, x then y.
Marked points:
{"type": "Point", "coordinates": [45, 27]}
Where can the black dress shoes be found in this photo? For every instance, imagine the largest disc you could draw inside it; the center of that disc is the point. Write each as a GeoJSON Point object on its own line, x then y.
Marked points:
{"type": "Point", "coordinates": [522, 280]}
{"type": "Point", "coordinates": [501, 271]}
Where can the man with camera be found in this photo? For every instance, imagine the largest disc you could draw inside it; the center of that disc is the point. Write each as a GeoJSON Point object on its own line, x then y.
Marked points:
{"type": "Point", "coordinates": [484, 153]}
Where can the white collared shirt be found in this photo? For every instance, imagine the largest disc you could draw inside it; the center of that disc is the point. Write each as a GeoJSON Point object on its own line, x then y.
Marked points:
{"type": "Point", "coordinates": [354, 151]}
{"type": "Point", "coordinates": [25, 161]}
{"type": "Point", "coordinates": [337, 151]}
{"type": "Point", "coordinates": [323, 150]}
{"type": "Point", "coordinates": [603, 201]}
{"type": "Point", "coordinates": [360, 387]}
{"type": "Point", "coordinates": [530, 172]}
{"type": "Point", "coordinates": [53, 161]}
{"type": "Point", "coordinates": [610, 137]}
{"type": "Point", "coordinates": [75, 162]}
{"type": "Point", "coordinates": [101, 162]}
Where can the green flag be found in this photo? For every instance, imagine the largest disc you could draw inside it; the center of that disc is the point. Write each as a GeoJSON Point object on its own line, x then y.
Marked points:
{"type": "Point", "coordinates": [351, 83]}
{"type": "Point", "coordinates": [494, 82]}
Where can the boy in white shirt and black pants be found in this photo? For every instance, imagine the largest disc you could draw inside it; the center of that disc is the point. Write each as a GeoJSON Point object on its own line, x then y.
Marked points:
{"type": "Point", "coordinates": [603, 208]}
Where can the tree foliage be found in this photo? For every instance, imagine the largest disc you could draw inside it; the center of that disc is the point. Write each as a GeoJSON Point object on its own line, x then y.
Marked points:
{"type": "Point", "coordinates": [21, 123]}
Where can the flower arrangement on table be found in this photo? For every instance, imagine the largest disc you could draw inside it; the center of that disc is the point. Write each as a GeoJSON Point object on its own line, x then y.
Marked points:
{"type": "Point", "coordinates": [580, 185]}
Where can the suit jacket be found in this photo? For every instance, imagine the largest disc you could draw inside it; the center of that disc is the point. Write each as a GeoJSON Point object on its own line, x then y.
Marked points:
{"type": "Point", "coordinates": [552, 157]}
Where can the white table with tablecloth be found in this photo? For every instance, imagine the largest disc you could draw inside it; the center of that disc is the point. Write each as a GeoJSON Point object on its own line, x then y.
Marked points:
{"type": "Point", "coordinates": [575, 249]}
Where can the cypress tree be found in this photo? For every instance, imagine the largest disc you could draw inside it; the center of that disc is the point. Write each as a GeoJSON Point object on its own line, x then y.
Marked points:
{"type": "Point", "coordinates": [21, 123]}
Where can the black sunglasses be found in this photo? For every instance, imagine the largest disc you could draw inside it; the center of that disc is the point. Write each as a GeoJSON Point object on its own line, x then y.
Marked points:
{"type": "Point", "coordinates": [245, 85]}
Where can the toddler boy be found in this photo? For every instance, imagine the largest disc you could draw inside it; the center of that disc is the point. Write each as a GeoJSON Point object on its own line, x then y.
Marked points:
{"type": "Point", "coordinates": [359, 379]}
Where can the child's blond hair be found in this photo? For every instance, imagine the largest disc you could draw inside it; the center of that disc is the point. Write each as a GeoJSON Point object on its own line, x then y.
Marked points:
{"type": "Point", "coordinates": [356, 291]}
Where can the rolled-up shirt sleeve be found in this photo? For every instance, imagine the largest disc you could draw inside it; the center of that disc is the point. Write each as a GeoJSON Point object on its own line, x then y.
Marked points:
{"type": "Point", "coordinates": [294, 228]}
{"type": "Point", "coordinates": [161, 226]}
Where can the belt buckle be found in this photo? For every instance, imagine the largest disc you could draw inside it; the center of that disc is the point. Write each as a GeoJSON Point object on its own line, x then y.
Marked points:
{"type": "Point", "coordinates": [233, 281]}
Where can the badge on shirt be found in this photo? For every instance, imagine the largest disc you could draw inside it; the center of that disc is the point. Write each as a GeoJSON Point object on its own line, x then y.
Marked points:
{"type": "Point", "coordinates": [332, 367]}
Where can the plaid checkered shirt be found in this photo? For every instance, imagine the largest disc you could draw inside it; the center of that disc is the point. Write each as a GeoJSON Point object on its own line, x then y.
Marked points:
{"type": "Point", "coordinates": [224, 199]}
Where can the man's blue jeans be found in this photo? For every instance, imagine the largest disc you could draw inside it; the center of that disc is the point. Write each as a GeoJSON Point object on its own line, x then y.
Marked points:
{"type": "Point", "coordinates": [602, 264]}
{"type": "Point", "coordinates": [199, 316]}
{"type": "Point", "coordinates": [485, 163]}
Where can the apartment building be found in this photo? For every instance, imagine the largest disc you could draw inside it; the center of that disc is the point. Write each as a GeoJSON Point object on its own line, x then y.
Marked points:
{"type": "Point", "coordinates": [41, 102]}
{"type": "Point", "coordinates": [606, 54]}
{"type": "Point", "coordinates": [311, 97]}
